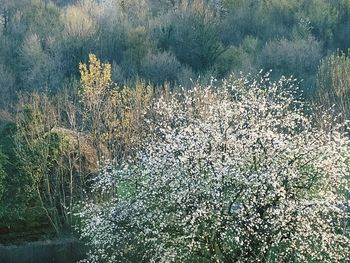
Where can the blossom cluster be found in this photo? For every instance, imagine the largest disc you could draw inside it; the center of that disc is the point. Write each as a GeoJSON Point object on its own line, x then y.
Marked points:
{"type": "Point", "coordinates": [236, 173]}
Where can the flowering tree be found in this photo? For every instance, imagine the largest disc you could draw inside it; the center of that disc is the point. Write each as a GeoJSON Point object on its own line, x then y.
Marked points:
{"type": "Point", "coordinates": [231, 174]}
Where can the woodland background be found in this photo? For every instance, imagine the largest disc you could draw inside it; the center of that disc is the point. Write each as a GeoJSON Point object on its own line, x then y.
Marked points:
{"type": "Point", "coordinates": [58, 120]}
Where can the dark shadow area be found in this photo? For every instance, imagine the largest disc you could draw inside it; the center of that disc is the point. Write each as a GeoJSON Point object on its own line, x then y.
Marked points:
{"type": "Point", "coordinates": [54, 251]}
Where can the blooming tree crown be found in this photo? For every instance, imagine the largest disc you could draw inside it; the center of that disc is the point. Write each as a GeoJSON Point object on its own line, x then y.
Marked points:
{"type": "Point", "coordinates": [236, 173]}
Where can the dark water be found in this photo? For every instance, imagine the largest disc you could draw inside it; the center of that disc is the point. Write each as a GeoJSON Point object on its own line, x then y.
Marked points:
{"type": "Point", "coordinates": [54, 251]}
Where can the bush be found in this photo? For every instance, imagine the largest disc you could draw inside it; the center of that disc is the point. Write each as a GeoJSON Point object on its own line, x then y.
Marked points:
{"type": "Point", "coordinates": [17, 197]}
{"type": "Point", "coordinates": [236, 59]}
{"type": "Point", "coordinates": [7, 84]}
{"type": "Point", "coordinates": [293, 57]}
{"type": "Point", "coordinates": [264, 20]}
{"type": "Point", "coordinates": [194, 36]}
{"type": "Point", "coordinates": [333, 82]}
{"type": "Point", "coordinates": [186, 77]}
{"type": "Point", "coordinates": [236, 173]}
{"type": "Point", "coordinates": [137, 46]}
{"type": "Point", "coordinates": [160, 67]}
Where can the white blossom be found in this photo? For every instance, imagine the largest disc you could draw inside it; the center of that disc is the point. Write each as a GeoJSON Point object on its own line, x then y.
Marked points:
{"type": "Point", "coordinates": [237, 173]}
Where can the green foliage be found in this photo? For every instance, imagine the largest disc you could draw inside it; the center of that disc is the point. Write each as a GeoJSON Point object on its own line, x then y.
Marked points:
{"type": "Point", "coordinates": [3, 160]}
{"type": "Point", "coordinates": [236, 59]}
{"type": "Point", "coordinates": [262, 19]}
{"type": "Point", "coordinates": [298, 57]}
{"type": "Point", "coordinates": [323, 16]}
{"type": "Point", "coordinates": [37, 59]}
{"type": "Point", "coordinates": [342, 28]}
{"type": "Point", "coordinates": [7, 84]}
{"type": "Point", "coordinates": [162, 42]}
{"type": "Point", "coordinates": [137, 46]}
{"type": "Point", "coordinates": [18, 192]}
{"type": "Point", "coordinates": [195, 37]}
{"type": "Point", "coordinates": [17, 202]}
{"type": "Point", "coordinates": [293, 57]}
{"type": "Point", "coordinates": [35, 63]}
{"type": "Point", "coordinates": [161, 67]}
{"type": "Point", "coordinates": [231, 60]}
{"type": "Point", "coordinates": [38, 149]}
{"type": "Point", "coordinates": [41, 42]}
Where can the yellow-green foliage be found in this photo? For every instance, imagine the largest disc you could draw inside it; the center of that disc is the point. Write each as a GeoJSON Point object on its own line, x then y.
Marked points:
{"type": "Point", "coordinates": [333, 82]}
{"type": "Point", "coordinates": [113, 115]}
{"type": "Point", "coordinates": [95, 93]}
{"type": "Point", "coordinates": [78, 23]}
{"type": "Point", "coordinates": [76, 150]}
{"type": "Point", "coordinates": [95, 79]}
{"type": "Point", "coordinates": [132, 103]}
{"type": "Point", "coordinates": [35, 119]}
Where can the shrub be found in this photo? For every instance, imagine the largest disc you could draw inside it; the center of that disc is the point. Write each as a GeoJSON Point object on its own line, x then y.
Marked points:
{"type": "Point", "coordinates": [161, 67]}
{"type": "Point", "coordinates": [264, 20]}
{"type": "Point", "coordinates": [78, 24]}
{"type": "Point", "coordinates": [17, 192]}
{"type": "Point", "coordinates": [292, 57]}
{"type": "Point", "coordinates": [7, 83]}
{"type": "Point", "coordinates": [333, 82]}
{"type": "Point", "coordinates": [137, 46]}
{"type": "Point", "coordinates": [236, 59]}
{"type": "Point", "coordinates": [236, 173]}
{"type": "Point", "coordinates": [194, 36]}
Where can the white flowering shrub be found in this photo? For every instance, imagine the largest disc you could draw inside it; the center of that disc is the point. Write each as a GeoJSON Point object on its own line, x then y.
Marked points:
{"type": "Point", "coordinates": [237, 173]}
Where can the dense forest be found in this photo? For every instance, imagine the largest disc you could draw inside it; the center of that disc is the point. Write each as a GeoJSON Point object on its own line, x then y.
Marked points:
{"type": "Point", "coordinates": [42, 42]}
{"type": "Point", "coordinates": [177, 130]}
